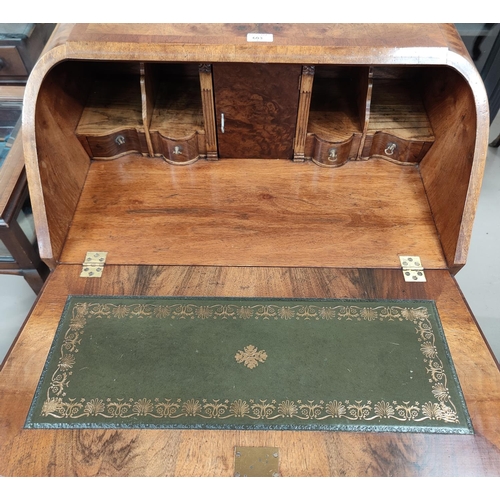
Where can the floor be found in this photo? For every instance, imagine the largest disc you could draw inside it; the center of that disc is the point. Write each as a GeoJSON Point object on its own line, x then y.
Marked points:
{"type": "Point", "coordinates": [479, 279]}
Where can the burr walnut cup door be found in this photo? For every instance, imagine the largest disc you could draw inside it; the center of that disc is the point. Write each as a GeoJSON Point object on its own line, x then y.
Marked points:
{"type": "Point", "coordinates": [256, 109]}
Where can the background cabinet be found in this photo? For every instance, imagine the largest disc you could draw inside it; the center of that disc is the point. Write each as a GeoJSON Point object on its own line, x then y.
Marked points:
{"type": "Point", "coordinates": [20, 46]}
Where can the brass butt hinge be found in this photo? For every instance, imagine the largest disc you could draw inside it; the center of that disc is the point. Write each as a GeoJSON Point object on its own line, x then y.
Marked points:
{"type": "Point", "coordinates": [412, 268]}
{"type": "Point", "coordinates": [93, 265]}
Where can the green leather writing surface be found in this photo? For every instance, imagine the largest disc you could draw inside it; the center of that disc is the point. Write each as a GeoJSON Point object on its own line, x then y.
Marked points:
{"type": "Point", "coordinates": [166, 362]}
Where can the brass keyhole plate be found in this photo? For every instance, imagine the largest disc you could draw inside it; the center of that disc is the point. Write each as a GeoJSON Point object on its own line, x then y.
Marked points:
{"type": "Point", "coordinates": [256, 461]}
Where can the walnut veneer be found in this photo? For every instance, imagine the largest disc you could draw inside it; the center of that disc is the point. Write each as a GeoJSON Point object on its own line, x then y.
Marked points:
{"type": "Point", "coordinates": [198, 161]}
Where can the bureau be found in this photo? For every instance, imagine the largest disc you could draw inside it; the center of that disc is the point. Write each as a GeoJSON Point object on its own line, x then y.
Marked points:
{"type": "Point", "coordinates": [208, 164]}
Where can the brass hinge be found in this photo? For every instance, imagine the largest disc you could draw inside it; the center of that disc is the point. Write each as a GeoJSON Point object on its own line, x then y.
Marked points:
{"type": "Point", "coordinates": [93, 265]}
{"type": "Point", "coordinates": [412, 268]}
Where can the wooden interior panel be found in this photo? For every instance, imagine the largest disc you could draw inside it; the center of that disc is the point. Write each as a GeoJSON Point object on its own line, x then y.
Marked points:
{"type": "Point", "coordinates": [135, 452]}
{"type": "Point", "coordinates": [253, 212]}
{"type": "Point", "coordinates": [63, 162]}
{"type": "Point", "coordinates": [447, 166]}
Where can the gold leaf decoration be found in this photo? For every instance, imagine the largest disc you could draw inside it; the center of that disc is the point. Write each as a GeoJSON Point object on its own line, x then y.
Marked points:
{"type": "Point", "coordinates": [250, 356]}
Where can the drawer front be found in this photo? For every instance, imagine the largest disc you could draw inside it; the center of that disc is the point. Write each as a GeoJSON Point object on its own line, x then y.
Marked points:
{"type": "Point", "coordinates": [11, 63]}
{"type": "Point", "coordinates": [394, 148]}
{"type": "Point", "coordinates": [176, 151]}
{"type": "Point", "coordinates": [116, 144]}
{"type": "Point", "coordinates": [331, 154]}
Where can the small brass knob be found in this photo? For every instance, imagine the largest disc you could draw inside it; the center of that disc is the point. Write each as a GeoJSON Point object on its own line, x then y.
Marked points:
{"type": "Point", "coordinates": [177, 150]}
{"type": "Point", "coordinates": [120, 140]}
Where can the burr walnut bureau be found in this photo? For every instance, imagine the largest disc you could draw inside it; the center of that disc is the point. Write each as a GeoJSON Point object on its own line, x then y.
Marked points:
{"type": "Point", "coordinates": [297, 161]}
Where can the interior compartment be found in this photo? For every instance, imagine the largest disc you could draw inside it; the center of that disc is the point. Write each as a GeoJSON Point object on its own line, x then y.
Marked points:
{"type": "Point", "coordinates": [111, 123]}
{"type": "Point", "coordinates": [253, 211]}
{"type": "Point", "coordinates": [177, 126]}
{"type": "Point", "coordinates": [336, 116]}
{"type": "Point", "coordinates": [398, 128]}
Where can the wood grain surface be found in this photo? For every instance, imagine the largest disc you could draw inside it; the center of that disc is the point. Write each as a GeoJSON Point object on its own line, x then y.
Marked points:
{"type": "Point", "coordinates": [148, 96]}
{"type": "Point", "coordinates": [211, 453]}
{"type": "Point", "coordinates": [61, 176]}
{"type": "Point", "coordinates": [207, 98]}
{"type": "Point", "coordinates": [338, 232]}
{"type": "Point", "coordinates": [334, 115]}
{"type": "Point", "coordinates": [114, 104]}
{"type": "Point", "coordinates": [329, 154]}
{"type": "Point", "coordinates": [306, 85]}
{"type": "Point", "coordinates": [450, 106]}
{"type": "Point", "coordinates": [398, 109]}
{"type": "Point", "coordinates": [178, 112]}
{"type": "Point", "coordinates": [395, 149]}
{"type": "Point", "coordinates": [259, 103]}
{"type": "Point", "coordinates": [300, 34]}
{"type": "Point", "coordinates": [369, 45]}
{"type": "Point", "coordinates": [11, 93]}
{"type": "Point", "coordinates": [253, 212]}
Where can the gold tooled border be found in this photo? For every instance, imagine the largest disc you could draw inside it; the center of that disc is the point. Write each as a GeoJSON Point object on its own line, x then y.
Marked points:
{"type": "Point", "coordinates": [441, 408]}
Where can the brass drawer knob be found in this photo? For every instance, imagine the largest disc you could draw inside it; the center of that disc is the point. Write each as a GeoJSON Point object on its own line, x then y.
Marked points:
{"type": "Point", "coordinates": [390, 148]}
{"type": "Point", "coordinates": [177, 150]}
{"type": "Point", "coordinates": [120, 140]}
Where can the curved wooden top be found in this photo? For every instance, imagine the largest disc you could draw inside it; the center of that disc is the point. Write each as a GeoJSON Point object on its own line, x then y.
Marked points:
{"type": "Point", "coordinates": [353, 44]}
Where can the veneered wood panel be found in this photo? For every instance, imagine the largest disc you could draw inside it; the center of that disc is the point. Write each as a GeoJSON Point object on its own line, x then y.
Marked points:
{"type": "Point", "coordinates": [253, 212]}
{"type": "Point", "coordinates": [62, 160]}
{"type": "Point", "coordinates": [259, 103]}
{"type": "Point", "coordinates": [130, 452]}
{"type": "Point", "coordinates": [448, 166]}
{"type": "Point", "coordinates": [303, 44]}
{"type": "Point", "coordinates": [299, 34]}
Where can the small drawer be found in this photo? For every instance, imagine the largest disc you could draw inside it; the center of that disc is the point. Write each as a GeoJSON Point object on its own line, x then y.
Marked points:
{"type": "Point", "coordinates": [115, 144]}
{"type": "Point", "coordinates": [11, 63]}
{"type": "Point", "coordinates": [177, 152]}
{"type": "Point", "coordinates": [395, 149]}
{"type": "Point", "coordinates": [332, 154]}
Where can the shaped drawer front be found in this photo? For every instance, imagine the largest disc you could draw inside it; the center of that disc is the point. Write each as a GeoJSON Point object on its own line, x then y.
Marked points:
{"type": "Point", "coordinates": [394, 148]}
{"type": "Point", "coordinates": [332, 154]}
{"type": "Point", "coordinates": [176, 151]}
{"type": "Point", "coordinates": [115, 144]}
